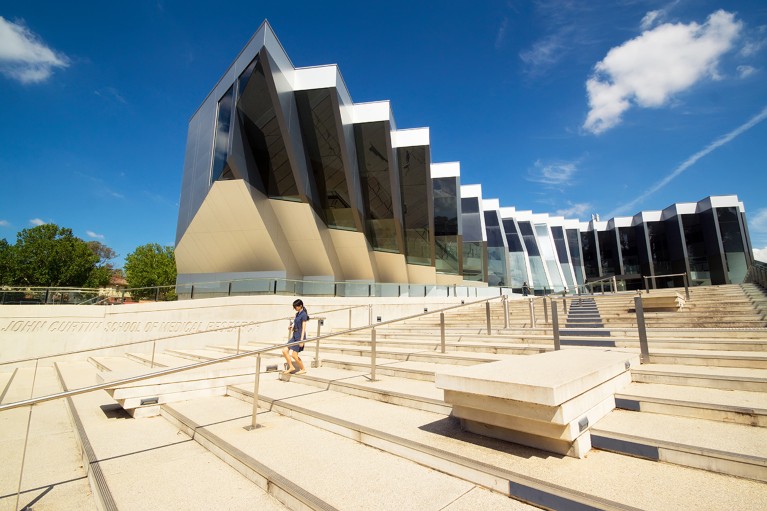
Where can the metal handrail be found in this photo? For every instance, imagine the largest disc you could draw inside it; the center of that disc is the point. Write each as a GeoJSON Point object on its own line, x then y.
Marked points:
{"type": "Point", "coordinates": [686, 282]}
{"type": "Point", "coordinates": [132, 343]}
{"type": "Point", "coordinates": [173, 370]}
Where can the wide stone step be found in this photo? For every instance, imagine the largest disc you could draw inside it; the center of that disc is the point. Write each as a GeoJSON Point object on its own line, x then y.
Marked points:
{"type": "Point", "coordinates": [146, 463]}
{"type": "Point", "coordinates": [726, 378]}
{"type": "Point", "coordinates": [315, 478]}
{"type": "Point", "coordinates": [748, 359]}
{"type": "Point", "coordinates": [734, 406]}
{"type": "Point", "coordinates": [54, 476]}
{"type": "Point", "coordinates": [733, 449]}
{"type": "Point", "coordinates": [437, 440]}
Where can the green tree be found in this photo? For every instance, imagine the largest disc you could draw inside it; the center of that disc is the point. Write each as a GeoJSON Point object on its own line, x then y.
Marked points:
{"type": "Point", "coordinates": [6, 262]}
{"type": "Point", "coordinates": [150, 266]}
{"type": "Point", "coordinates": [102, 272]}
{"type": "Point", "coordinates": [49, 255]}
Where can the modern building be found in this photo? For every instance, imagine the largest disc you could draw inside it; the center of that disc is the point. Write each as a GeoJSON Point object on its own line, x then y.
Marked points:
{"type": "Point", "coordinates": [286, 178]}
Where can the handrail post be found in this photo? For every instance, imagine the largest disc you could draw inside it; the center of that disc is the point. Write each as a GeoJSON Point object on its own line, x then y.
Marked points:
{"type": "Point", "coordinates": [370, 314]}
{"type": "Point", "coordinates": [564, 305]}
{"type": "Point", "coordinates": [686, 287]}
{"type": "Point", "coordinates": [532, 312]}
{"type": "Point", "coordinates": [316, 362]}
{"type": "Point", "coordinates": [505, 312]}
{"type": "Point", "coordinates": [350, 318]}
{"type": "Point", "coordinates": [253, 424]}
{"type": "Point", "coordinates": [615, 284]}
{"type": "Point", "coordinates": [545, 312]}
{"type": "Point", "coordinates": [442, 330]}
{"type": "Point", "coordinates": [555, 325]}
{"type": "Point", "coordinates": [372, 354]}
{"type": "Point", "coordinates": [487, 316]}
{"type": "Point", "coordinates": [239, 328]}
{"type": "Point", "coordinates": [154, 347]}
{"type": "Point", "coordinates": [646, 285]}
{"type": "Point", "coordinates": [643, 347]}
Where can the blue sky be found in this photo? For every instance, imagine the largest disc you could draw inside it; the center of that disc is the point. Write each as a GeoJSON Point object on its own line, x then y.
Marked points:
{"type": "Point", "coordinates": [562, 107]}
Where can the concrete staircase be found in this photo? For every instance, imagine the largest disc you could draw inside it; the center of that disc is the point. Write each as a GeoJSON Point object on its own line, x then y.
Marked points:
{"type": "Point", "coordinates": [689, 431]}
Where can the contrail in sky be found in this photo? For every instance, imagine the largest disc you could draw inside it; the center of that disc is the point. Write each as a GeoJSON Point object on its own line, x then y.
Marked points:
{"type": "Point", "coordinates": [689, 162]}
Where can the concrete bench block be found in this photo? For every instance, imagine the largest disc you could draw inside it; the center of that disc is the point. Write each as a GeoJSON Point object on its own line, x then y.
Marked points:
{"type": "Point", "coordinates": [547, 401]}
{"type": "Point", "coordinates": [550, 378]}
{"type": "Point", "coordinates": [562, 414]}
{"type": "Point", "coordinates": [655, 303]}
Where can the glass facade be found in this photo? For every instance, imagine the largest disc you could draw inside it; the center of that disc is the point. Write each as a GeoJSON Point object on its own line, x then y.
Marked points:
{"type": "Point", "coordinates": [375, 180]}
{"type": "Point", "coordinates": [221, 139]}
{"type": "Point", "coordinates": [540, 281]}
{"type": "Point", "coordinates": [732, 242]}
{"type": "Point", "coordinates": [590, 261]}
{"type": "Point", "coordinates": [269, 166]}
{"type": "Point", "coordinates": [608, 252]}
{"type": "Point", "coordinates": [659, 254]}
{"type": "Point", "coordinates": [496, 250]}
{"type": "Point", "coordinates": [697, 258]}
{"type": "Point", "coordinates": [474, 246]}
{"type": "Point", "coordinates": [558, 235]}
{"type": "Point", "coordinates": [549, 256]}
{"type": "Point", "coordinates": [573, 243]}
{"type": "Point", "coordinates": [517, 266]}
{"type": "Point", "coordinates": [415, 185]}
{"type": "Point", "coordinates": [319, 128]}
{"type": "Point", "coordinates": [629, 250]}
{"type": "Point", "coordinates": [447, 235]}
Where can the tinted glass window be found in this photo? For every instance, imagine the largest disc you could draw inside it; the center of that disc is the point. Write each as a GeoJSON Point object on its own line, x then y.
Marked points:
{"type": "Point", "coordinates": [319, 127]}
{"type": "Point", "coordinates": [375, 181]}
{"type": "Point", "coordinates": [221, 140]}
{"type": "Point", "coordinates": [414, 183]}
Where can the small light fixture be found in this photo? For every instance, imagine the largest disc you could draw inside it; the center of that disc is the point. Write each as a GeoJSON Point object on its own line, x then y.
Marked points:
{"type": "Point", "coordinates": [425, 309]}
{"type": "Point", "coordinates": [378, 318]}
{"type": "Point", "coordinates": [150, 401]}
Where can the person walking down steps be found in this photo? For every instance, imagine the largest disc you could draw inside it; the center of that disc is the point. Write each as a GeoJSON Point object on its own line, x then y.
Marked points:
{"type": "Point", "coordinates": [296, 332]}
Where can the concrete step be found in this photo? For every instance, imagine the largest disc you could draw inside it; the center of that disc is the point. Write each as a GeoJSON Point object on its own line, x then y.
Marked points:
{"type": "Point", "coordinates": [54, 475]}
{"type": "Point", "coordinates": [734, 406]}
{"type": "Point", "coordinates": [543, 479]}
{"type": "Point", "coordinates": [733, 449]}
{"type": "Point", "coordinates": [396, 353]}
{"type": "Point", "coordinates": [314, 478]}
{"type": "Point", "coordinates": [135, 462]}
{"type": "Point", "coordinates": [746, 359]}
{"type": "Point", "coordinates": [725, 378]}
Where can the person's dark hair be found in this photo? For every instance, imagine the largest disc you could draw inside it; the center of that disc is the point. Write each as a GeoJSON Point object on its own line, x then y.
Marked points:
{"type": "Point", "coordinates": [300, 303]}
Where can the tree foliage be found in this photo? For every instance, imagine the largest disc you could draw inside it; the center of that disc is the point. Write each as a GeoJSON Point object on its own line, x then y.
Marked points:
{"type": "Point", "coordinates": [151, 265]}
{"type": "Point", "coordinates": [49, 255]}
{"type": "Point", "coordinates": [6, 263]}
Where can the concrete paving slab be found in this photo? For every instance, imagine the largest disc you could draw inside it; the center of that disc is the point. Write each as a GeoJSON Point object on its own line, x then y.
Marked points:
{"type": "Point", "coordinates": [354, 484]}
{"type": "Point", "coordinates": [633, 481]}
{"type": "Point", "coordinates": [150, 461]}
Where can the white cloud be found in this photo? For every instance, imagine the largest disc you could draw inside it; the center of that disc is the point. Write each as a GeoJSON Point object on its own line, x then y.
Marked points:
{"type": "Point", "coordinates": [758, 221]}
{"type": "Point", "coordinates": [23, 56]}
{"type": "Point", "coordinates": [651, 18]}
{"type": "Point", "coordinates": [500, 36]}
{"type": "Point", "coordinates": [37, 221]}
{"type": "Point", "coordinates": [111, 93]}
{"type": "Point", "coordinates": [649, 69]}
{"type": "Point", "coordinates": [689, 162]}
{"type": "Point", "coordinates": [92, 234]}
{"type": "Point", "coordinates": [555, 173]}
{"type": "Point", "coordinates": [746, 71]}
{"type": "Point", "coordinates": [760, 254]}
{"type": "Point", "coordinates": [544, 54]}
{"type": "Point", "coordinates": [577, 210]}
{"type": "Point", "coordinates": [5, 223]}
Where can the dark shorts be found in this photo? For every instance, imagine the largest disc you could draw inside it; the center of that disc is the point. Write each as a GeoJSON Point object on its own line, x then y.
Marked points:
{"type": "Point", "coordinates": [296, 347]}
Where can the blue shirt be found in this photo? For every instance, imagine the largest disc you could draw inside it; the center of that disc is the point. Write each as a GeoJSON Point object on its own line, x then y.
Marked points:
{"type": "Point", "coordinates": [301, 316]}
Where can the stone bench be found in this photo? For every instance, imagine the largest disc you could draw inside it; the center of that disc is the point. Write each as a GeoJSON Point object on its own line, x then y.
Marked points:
{"type": "Point", "coordinates": [662, 303]}
{"type": "Point", "coordinates": [547, 401]}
